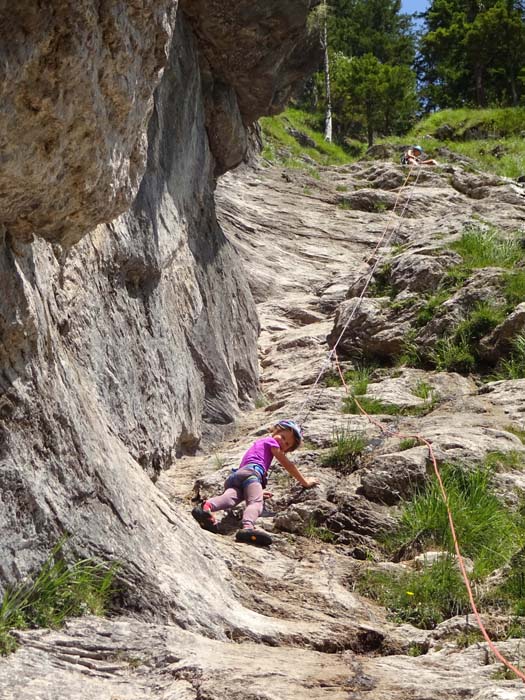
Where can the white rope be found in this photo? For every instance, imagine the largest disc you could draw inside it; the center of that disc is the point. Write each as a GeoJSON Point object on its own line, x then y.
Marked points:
{"type": "Point", "coordinates": [356, 306]}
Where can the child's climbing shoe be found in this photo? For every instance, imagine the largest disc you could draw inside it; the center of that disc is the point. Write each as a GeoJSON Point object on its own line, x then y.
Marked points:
{"type": "Point", "coordinates": [259, 537]}
{"type": "Point", "coordinates": [205, 518]}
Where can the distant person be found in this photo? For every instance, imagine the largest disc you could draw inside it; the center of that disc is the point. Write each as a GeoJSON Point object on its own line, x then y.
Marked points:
{"type": "Point", "coordinates": [248, 481]}
{"type": "Point", "coordinates": [413, 156]}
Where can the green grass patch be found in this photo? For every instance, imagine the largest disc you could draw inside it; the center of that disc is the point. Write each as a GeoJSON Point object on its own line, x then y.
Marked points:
{"type": "Point", "coordinates": [495, 121]}
{"type": "Point", "coordinates": [347, 447]}
{"type": "Point", "coordinates": [488, 532]}
{"type": "Point", "coordinates": [281, 147]}
{"type": "Point", "coordinates": [431, 307]}
{"type": "Point", "coordinates": [450, 355]}
{"type": "Point", "coordinates": [407, 444]}
{"type": "Point", "coordinates": [317, 532]}
{"type": "Point", "coordinates": [344, 204]}
{"type": "Point", "coordinates": [423, 390]}
{"type": "Point", "coordinates": [513, 367]}
{"type": "Point", "coordinates": [503, 461]}
{"type": "Point", "coordinates": [488, 248]}
{"type": "Point", "coordinates": [58, 591]}
{"type": "Point", "coordinates": [517, 431]}
{"type": "Point", "coordinates": [514, 289]}
{"type": "Point", "coordinates": [370, 405]}
{"type": "Point", "coordinates": [424, 599]}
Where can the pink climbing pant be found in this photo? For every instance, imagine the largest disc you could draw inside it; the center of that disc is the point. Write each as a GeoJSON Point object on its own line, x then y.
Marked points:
{"type": "Point", "coordinates": [243, 484]}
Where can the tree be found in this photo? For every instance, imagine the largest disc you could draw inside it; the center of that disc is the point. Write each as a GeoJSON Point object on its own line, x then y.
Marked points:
{"type": "Point", "coordinates": [358, 27]}
{"type": "Point", "coordinates": [319, 17]}
{"type": "Point", "coordinates": [371, 97]}
{"type": "Point", "coordinates": [473, 53]}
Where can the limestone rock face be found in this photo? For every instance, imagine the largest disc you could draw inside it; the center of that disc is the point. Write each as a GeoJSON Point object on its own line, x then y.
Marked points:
{"type": "Point", "coordinates": [138, 344]}
{"type": "Point", "coordinates": [77, 83]}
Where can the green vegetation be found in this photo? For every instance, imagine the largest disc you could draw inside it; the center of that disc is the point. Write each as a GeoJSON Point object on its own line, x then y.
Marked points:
{"type": "Point", "coordinates": [316, 532]}
{"type": "Point", "coordinates": [513, 367]}
{"type": "Point", "coordinates": [424, 598]}
{"type": "Point", "coordinates": [346, 449]}
{"type": "Point", "coordinates": [357, 379]}
{"type": "Point", "coordinates": [281, 147]}
{"type": "Point", "coordinates": [503, 461]}
{"type": "Point", "coordinates": [423, 390]}
{"type": "Point", "coordinates": [370, 405]}
{"type": "Point", "coordinates": [381, 285]}
{"type": "Point", "coordinates": [431, 307]}
{"type": "Point", "coordinates": [407, 444]}
{"type": "Point", "coordinates": [517, 431]}
{"type": "Point", "coordinates": [514, 290]}
{"type": "Point", "coordinates": [487, 531]}
{"type": "Point", "coordinates": [56, 592]}
{"type": "Point", "coordinates": [480, 248]}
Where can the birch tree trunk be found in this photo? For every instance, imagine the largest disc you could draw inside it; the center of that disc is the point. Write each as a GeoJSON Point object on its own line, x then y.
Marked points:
{"type": "Point", "coordinates": [328, 112]}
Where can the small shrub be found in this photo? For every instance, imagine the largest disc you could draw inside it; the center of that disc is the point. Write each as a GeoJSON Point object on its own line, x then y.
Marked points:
{"type": "Point", "coordinates": [416, 649]}
{"type": "Point", "coordinates": [344, 204]}
{"type": "Point", "coordinates": [468, 638]}
{"type": "Point", "coordinates": [58, 591]}
{"type": "Point", "coordinates": [346, 449]}
{"type": "Point", "coordinates": [341, 188]}
{"type": "Point", "coordinates": [359, 378]}
{"type": "Point", "coordinates": [424, 599]}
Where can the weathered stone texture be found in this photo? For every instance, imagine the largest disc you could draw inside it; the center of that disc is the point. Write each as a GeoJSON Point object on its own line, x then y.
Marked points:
{"type": "Point", "coordinates": [77, 80]}
{"type": "Point", "coordinates": [114, 355]}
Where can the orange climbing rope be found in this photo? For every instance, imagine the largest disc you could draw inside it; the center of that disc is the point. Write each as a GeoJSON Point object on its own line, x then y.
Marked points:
{"type": "Point", "coordinates": [461, 562]}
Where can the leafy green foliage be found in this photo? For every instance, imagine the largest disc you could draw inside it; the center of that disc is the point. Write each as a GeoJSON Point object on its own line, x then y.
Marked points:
{"type": "Point", "coordinates": [370, 97]}
{"type": "Point", "coordinates": [58, 591]}
{"type": "Point", "coordinates": [514, 290]}
{"type": "Point", "coordinates": [359, 27]}
{"type": "Point", "coordinates": [473, 53]}
{"type": "Point", "coordinates": [347, 446]}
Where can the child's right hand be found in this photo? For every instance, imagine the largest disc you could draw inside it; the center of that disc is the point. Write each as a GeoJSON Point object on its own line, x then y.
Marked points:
{"type": "Point", "coordinates": [310, 483]}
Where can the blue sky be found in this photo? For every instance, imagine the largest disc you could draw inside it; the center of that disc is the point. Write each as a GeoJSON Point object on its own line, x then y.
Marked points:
{"type": "Point", "coordinates": [410, 6]}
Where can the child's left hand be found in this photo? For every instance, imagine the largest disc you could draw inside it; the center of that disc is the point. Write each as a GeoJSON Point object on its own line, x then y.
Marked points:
{"type": "Point", "coordinates": [267, 495]}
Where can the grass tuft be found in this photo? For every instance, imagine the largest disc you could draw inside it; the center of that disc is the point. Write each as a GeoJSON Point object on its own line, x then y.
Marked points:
{"type": "Point", "coordinates": [487, 531]}
{"type": "Point", "coordinates": [488, 248]}
{"type": "Point", "coordinates": [56, 592]}
{"type": "Point", "coordinates": [346, 449]}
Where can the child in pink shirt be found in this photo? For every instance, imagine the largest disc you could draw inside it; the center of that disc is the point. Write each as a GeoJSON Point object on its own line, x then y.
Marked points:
{"type": "Point", "coordinates": [248, 481]}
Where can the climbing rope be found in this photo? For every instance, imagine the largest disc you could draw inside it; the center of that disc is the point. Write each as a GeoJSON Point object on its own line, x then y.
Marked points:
{"type": "Point", "coordinates": [444, 495]}
{"type": "Point", "coordinates": [387, 240]}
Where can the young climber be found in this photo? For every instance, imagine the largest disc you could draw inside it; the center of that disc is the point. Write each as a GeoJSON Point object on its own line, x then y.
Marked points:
{"type": "Point", "coordinates": [413, 157]}
{"type": "Point", "coordinates": [248, 481]}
